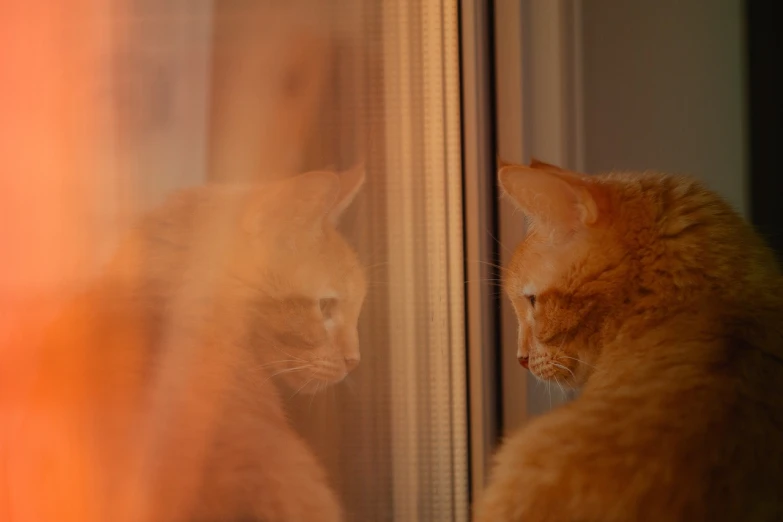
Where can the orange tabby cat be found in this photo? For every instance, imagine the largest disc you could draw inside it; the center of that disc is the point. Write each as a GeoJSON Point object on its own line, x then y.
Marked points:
{"type": "Point", "coordinates": [649, 293]}
{"type": "Point", "coordinates": [150, 399]}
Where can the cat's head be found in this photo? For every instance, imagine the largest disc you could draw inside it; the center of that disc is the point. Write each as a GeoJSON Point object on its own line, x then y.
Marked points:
{"type": "Point", "coordinates": [306, 285]}
{"type": "Point", "coordinates": [608, 252]}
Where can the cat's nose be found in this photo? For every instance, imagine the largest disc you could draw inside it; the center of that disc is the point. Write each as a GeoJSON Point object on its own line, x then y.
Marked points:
{"type": "Point", "coordinates": [351, 363]}
{"type": "Point", "coordinates": [523, 361]}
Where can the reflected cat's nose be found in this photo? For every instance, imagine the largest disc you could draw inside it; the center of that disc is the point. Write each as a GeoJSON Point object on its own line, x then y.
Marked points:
{"type": "Point", "coordinates": [351, 363]}
{"type": "Point", "coordinates": [523, 361]}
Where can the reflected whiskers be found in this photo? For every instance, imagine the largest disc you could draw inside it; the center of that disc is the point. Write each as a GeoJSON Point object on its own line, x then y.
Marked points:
{"type": "Point", "coordinates": [308, 381]}
{"type": "Point", "coordinates": [272, 363]}
{"type": "Point", "coordinates": [350, 385]}
{"type": "Point", "coordinates": [298, 359]}
{"type": "Point", "coordinates": [376, 265]}
{"type": "Point", "coordinates": [287, 370]}
{"type": "Point", "coordinates": [316, 392]}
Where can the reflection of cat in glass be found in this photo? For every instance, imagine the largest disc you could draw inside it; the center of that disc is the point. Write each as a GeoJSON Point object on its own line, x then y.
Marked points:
{"type": "Point", "coordinates": [152, 397]}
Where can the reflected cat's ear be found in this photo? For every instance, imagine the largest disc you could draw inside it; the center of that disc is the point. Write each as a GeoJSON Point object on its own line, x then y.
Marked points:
{"type": "Point", "coordinates": [351, 182]}
{"type": "Point", "coordinates": [306, 199]}
{"type": "Point", "coordinates": [317, 193]}
{"type": "Point", "coordinates": [559, 199]}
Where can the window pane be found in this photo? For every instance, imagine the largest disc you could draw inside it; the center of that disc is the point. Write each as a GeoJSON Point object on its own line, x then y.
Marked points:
{"type": "Point", "coordinates": [135, 100]}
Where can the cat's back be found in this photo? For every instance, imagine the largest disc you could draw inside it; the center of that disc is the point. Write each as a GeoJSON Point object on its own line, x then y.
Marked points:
{"type": "Point", "coordinates": [688, 446]}
{"type": "Point", "coordinates": [690, 428]}
{"type": "Point", "coordinates": [692, 416]}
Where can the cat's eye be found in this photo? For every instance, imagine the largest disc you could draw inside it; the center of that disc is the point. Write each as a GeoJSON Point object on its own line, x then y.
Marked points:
{"type": "Point", "coordinates": [328, 306]}
{"type": "Point", "coordinates": [532, 299]}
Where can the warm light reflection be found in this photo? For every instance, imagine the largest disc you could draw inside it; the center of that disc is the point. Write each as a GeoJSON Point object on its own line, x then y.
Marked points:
{"type": "Point", "coordinates": [191, 328]}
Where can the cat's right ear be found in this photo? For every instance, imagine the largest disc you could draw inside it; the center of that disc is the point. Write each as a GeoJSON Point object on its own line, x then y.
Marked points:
{"type": "Point", "coordinates": [550, 200]}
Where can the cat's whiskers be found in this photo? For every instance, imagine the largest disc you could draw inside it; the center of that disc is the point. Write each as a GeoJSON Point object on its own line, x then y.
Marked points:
{"type": "Point", "coordinates": [298, 359]}
{"type": "Point", "coordinates": [273, 363]}
{"type": "Point", "coordinates": [579, 361]}
{"type": "Point", "coordinates": [501, 245]}
{"type": "Point", "coordinates": [557, 381]}
{"type": "Point", "coordinates": [376, 265]}
{"type": "Point", "coordinates": [316, 392]}
{"type": "Point", "coordinates": [565, 368]}
{"type": "Point", "coordinates": [493, 265]}
{"type": "Point", "coordinates": [308, 381]}
{"type": "Point", "coordinates": [492, 282]}
{"type": "Point", "coordinates": [287, 370]}
{"type": "Point", "coordinates": [549, 391]}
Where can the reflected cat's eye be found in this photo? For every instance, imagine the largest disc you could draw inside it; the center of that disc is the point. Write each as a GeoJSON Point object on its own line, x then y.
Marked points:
{"type": "Point", "coordinates": [328, 306]}
{"type": "Point", "coordinates": [532, 299]}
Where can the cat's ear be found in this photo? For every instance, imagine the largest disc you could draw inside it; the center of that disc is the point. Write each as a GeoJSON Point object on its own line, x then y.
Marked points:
{"type": "Point", "coordinates": [541, 165]}
{"type": "Point", "coordinates": [557, 199]}
{"type": "Point", "coordinates": [351, 182]}
{"type": "Point", "coordinates": [306, 199]}
{"type": "Point", "coordinates": [317, 193]}
{"type": "Point", "coordinates": [534, 164]}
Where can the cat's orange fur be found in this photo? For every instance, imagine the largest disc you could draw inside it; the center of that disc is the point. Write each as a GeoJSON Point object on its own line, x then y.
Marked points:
{"type": "Point", "coordinates": [151, 398]}
{"type": "Point", "coordinates": [663, 305]}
